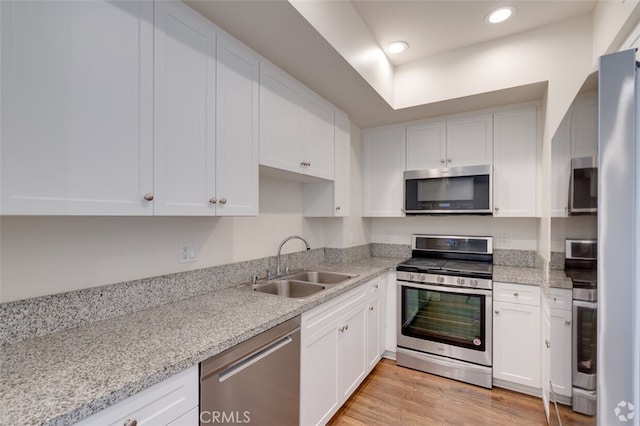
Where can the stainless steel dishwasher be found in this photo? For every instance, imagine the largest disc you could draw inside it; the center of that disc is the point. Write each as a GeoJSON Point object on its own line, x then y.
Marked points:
{"type": "Point", "coordinates": [256, 382]}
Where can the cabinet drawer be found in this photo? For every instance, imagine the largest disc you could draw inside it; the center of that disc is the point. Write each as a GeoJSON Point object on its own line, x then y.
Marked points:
{"type": "Point", "coordinates": [315, 319]}
{"type": "Point", "coordinates": [376, 285]}
{"type": "Point", "coordinates": [560, 298]}
{"type": "Point", "coordinates": [161, 404]}
{"type": "Point", "coordinates": [516, 293]}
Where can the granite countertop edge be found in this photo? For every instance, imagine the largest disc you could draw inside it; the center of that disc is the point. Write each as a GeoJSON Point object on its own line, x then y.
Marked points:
{"type": "Point", "coordinates": [22, 378]}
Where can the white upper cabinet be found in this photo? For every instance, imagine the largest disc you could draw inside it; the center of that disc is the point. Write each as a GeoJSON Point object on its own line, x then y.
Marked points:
{"type": "Point", "coordinates": [77, 113]}
{"type": "Point", "coordinates": [561, 168]}
{"type": "Point", "coordinates": [280, 120]}
{"type": "Point", "coordinates": [515, 163]}
{"type": "Point", "coordinates": [318, 136]}
{"type": "Point", "coordinates": [296, 126]}
{"type": "Point", "coordinates": [426, 145]}
{"type": "Point", "coordinates": [584, 127]}
{"type": "Point", "coordinates": [384, 164]}
{"type": "Point", "coordinates": [332, 199]}
{"type": "Point", "coordinates": [184, 145]}
{"type": "Point", "coordinates": [236, 129]}
{"type": "Point", "coordinates": [469, 141]}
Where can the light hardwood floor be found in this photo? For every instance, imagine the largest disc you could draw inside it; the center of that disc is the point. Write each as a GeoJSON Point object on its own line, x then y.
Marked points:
{"type": "Point", "coordinates": [393, 395]}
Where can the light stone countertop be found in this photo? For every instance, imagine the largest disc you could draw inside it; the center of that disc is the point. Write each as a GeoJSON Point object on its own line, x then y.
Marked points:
{"type": "Point", "coordinates": [531, 276]}
{"type": "Point", "coordinates": [64, 377]}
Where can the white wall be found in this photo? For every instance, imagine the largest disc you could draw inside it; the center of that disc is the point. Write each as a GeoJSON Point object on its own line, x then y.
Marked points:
{"type": "Point", "coordinates": [48, 255]}
{"type": "Point", "coordinates": [575, 227]}
{"type": "Point", "coordinates": [508, 233]}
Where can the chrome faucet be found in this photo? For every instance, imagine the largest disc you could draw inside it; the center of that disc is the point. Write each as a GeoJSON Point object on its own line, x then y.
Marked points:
{"type": "Point", "coordinates": [292, 237]}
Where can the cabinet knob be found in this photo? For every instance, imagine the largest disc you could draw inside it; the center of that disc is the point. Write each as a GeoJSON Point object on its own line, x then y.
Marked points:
{"type": "Point", "coordinates": [496, 208]}
{"type": "Point", "coordinates": [306, 163]}
{"type": "Point", "coordinates": [449, 160]}
{"type": "Point", "coordinates": [213, 200]}
{"type": "Point", "coordinates": [547, 343]}
{"type": "Point", "coordinates": [130, 422]}
{"type": "Point", "coordinates": [148, 196]}
{"type": "Point", "coordinates": [376, 286]}
{"type": "Point", "coordinates": [337, 207]}
{"type": "Point", "coordinates": [515, 294]}
{"type": "Point", "coordinates": [555, 300]}
{"type": "Point", "coordinates": [442, 160]}
{"type": "Point", "coordinates": [371, 308]}
{"type": "Point", "coordinates": [567, 322]}
{"type": "Point", "coordinates": [223, 200]}
{"type": "Point", "coordinates": [496, 311]}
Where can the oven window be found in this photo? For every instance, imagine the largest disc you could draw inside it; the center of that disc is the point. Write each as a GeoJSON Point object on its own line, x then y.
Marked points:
{"type": "Point", "coordinates": [585, 188]}
{"type": "Point", "coordinates": [587, 336]}
{"type": "Point", "coordinates": [451, 318]}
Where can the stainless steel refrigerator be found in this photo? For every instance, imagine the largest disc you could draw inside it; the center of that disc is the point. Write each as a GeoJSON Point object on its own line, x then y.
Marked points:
{"type": "Point", "coordinates": [618, 375]}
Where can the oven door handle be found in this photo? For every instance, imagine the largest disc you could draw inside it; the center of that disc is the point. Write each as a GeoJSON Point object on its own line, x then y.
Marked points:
{"type": "Point", "coordinates": [582, 304]}
{"type": "Point", "coordinates": [447, 289]}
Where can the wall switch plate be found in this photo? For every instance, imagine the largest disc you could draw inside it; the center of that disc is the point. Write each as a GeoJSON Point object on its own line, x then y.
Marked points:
{"type": "Point", "coordinates": [187, 253]}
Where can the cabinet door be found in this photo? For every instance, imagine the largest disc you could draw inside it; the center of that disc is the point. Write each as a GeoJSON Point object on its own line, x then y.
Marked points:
{"type": "Point", "coordinates": [319, 380]}
{"type": "Point", "coordinates": [342, 182]}
{"type": "Point", "coordinates": [384, 162]}
{"type": "Point", "coordinates": [184, 145]}
{"type": "Point", "coordinates": [469, 141]}
{"type": "Point", "coordinates": [280, 120]}
{"type": "Point", "coordinates": [317, 126]}
{"type": "Point", "coordinates": [515, 165]}
{"type": "Point", "coordinates": [77, 108]}
{"type": "Point", "coordinates": [236, 129]}
{"type": "Point", "coordinates": [426, 146]}
{"type": "Point", "coordinates": [561, 351]}
{"type": "Point", "coordinates": [584, 128]}
{"type": "Point", "coordinates": [352, 350]}
{"type": "Point", "coordinates": [561, 168]}
{"type": "Point", "coordinates": [375, 333]}
{"type": "Point", "coordinates": [516, 337]}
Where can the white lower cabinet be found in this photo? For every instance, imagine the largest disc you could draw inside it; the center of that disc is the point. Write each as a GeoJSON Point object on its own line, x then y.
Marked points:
{"type": "Point", "coordinates": [561, 317]}
{"type": "Point", "coordinates": [516, 337]}
{"type": "Point", "coordinates": [171, 402]}
{"type": "Point", "coordinates": [341, 342]}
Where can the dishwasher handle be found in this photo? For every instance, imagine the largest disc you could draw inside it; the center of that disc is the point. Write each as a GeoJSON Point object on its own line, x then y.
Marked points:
{"type": "Point", "coordinates": [254, 357]}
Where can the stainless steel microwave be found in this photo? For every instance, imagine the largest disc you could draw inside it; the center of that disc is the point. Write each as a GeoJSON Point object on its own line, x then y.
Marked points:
{"type": "Point", "coordinates": [455, 190]}
{"type": "Point", "coordinates": [583, 187]}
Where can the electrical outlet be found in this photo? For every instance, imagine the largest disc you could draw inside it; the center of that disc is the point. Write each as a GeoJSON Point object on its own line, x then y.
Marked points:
{"type": "Point", "coordinates": [187, 253]}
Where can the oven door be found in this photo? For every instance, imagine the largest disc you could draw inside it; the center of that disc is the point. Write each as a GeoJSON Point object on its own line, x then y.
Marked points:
{"type": "Point", "coordinates": [585, 335]}
{"type": "Point", "coordinates": [583, 189]}
{"type": "Point", "coordinates": [447, 321]}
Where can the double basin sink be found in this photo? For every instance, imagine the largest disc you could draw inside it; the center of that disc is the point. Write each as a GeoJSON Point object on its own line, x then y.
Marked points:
{"type": "Point", "coordinates": [301, 284]}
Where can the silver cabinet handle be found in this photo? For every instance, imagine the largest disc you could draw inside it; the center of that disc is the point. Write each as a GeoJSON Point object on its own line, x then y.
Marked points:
{"type": "Point", "coordinates": [341, 329]}
{"type": "Point", "coordinates": [371, 308]}
{"type": "Point", "coordinates": [496, 311]}
{"type": "Point", "coordinates": [346, 327]}
{"type": "Point", "coordinates": [376, 286]}
{"type": "Point", "coordinates": [547, 343]}
{"type": "Point", "coordinates": [306, 163]}
{"type": "Point", "coordinates": [449, 160]}
{"type": "Point", "coordinates": [130, 422]}
{"type": "Point", "coordinates": [515, 294]}
{"type": "Point", "coordinates": [148, 196]}
{"type": "Point", "coordinates": [555, 300]}
{"type": "Point", "coordinates": [496, 208]}
{"type": "Point", "coordinates": [338, 208]}
{"type": "Point", "coordinates": [223, 200]}
{"type": "Point", "coordinates": [442, 160]}
{"type": "Point", "coordinates": [213, 200]}
{"type": "Point", "coordinates": [567, 322]}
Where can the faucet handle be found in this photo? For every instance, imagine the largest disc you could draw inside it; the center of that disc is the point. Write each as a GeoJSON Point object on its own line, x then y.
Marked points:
{"type": "Point", "coordinates": [268, 274]}
{"type": "Point", "coordinates": [254, 280]}
{"type": "Point", "coordinates": [287, 270]}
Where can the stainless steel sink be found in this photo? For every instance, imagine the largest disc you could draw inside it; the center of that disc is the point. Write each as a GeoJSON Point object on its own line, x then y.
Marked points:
{"type": "Point", "coordinates": [289, 288]}
{"type": "Point", "coordinates": [320, 277]}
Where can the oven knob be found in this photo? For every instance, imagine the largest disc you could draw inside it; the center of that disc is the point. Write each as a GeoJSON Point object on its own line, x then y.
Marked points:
{"type": "Point", "coordinates": [460, 281]}
{"type": "Point", "coordinates": [440, 280]}
{"type": "Point", "coordinates": [410, 277]}
{"type": "Point", "coordinates": [423, 277]}
{"type": "Point", "coordinates": [474, 283]}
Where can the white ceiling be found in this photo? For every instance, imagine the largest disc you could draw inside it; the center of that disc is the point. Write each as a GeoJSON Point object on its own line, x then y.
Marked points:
{"type": "Point", "coordinates": [276, 30]}
{"type": "Point", "coordinates": [432, 27]}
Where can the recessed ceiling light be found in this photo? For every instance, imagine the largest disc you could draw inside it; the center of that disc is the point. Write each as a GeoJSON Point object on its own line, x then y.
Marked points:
{"type": "Point", "coordinates": [397, 47]}
{"type": "Point", "coordinates": [500, 15]}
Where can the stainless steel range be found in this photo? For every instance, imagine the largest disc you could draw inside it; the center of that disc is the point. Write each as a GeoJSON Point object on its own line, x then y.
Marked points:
{"type": "Point", "coordinates": [445, 307]}
{"type": "Point", "coordinates": [581, 266]}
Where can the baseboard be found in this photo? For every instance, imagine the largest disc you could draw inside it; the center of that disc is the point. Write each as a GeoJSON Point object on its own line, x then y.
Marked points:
{"type": "Point", "coordinates": [389, 355]}
{"type": "Point", "coordinates": [537, 392]}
